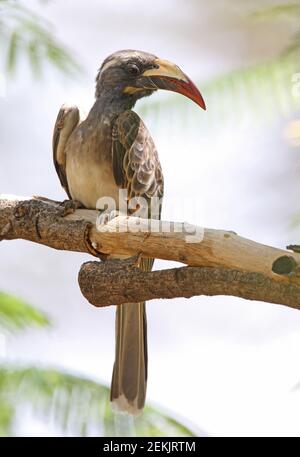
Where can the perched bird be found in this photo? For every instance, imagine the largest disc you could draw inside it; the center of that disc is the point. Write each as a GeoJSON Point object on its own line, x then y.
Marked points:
{"type": "Point", "coordinates": [111, 150]}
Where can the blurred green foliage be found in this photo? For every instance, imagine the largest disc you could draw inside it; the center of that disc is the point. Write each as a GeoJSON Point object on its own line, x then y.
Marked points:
{"type": "Point", "coordinates": [276, 12]}
{"type": "Point", "coordinates": [73, 404]}
{"type": "Point", "coordinates": [24, 34]}
{"type": "Point", "coordinates": [15, 314]}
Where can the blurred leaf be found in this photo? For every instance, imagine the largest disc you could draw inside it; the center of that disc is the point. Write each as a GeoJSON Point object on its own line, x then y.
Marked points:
{"type": "Point", "coordinates": [295, 44]}
{"type": "Point", "coordinates": [77, 405]}
{"type": "Point", "coordinates": [12, 52]}
{"type": "Point", "coordinates": [26, 34]}
{"type": "Point", "coordinates": [34, 57]}
{"type": "Point", "coordinates": [15, 314]}
{"type": "Point", "coordinates": [7, 413]}
{"type": "Point", "coordinates": [277, 12]}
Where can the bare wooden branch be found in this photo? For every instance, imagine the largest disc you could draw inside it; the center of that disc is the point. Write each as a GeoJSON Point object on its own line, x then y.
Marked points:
{"type": "Point", "coordinates": [42, 221]}
{"type": "Point", "coordinates": [244, 268]}
{"type": "Point", "coordinates": [126, 283]}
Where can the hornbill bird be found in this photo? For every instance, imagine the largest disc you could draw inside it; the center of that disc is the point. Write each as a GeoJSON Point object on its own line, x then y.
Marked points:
{"type": "Point", "coordinates": [110, 150]}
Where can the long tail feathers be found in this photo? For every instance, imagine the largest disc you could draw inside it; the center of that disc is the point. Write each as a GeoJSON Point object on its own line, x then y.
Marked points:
{"type": "Point", "coordinates": [129, 380]}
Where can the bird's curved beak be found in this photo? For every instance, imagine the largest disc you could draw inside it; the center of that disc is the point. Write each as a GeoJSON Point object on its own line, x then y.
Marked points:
{"type": "Point", "coordinates": [168, 76]}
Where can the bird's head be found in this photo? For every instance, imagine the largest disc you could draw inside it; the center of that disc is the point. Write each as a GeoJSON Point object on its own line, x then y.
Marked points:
{"type": "Point", "coordinates": [136, 74]}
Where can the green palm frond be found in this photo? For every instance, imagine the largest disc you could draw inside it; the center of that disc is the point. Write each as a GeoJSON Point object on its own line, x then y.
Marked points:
{"type": "Point", "coordinates": [77, 405]}
{"type": "Point", "coordinates": [15, 314]}
{"type": "Point", "coordinates": [24, 33]}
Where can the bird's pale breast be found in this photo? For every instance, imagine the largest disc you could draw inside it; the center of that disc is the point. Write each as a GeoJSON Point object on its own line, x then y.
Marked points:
{"type": "Point", "coordinates": [88, 165]}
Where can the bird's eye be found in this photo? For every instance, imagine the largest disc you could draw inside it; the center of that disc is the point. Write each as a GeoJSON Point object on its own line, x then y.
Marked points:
{"type": "Point", "coordinates": [133, 69]}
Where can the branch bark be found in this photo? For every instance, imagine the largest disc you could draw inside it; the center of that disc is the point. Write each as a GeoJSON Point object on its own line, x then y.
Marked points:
{"type": "Point", "coordinates": [115, 282]}
{"type": "Point", "coordinates": [220, 262]}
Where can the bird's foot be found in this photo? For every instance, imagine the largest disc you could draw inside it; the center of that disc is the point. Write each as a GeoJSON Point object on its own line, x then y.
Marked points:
{"type": "Point", "coordinates": [69, 207]}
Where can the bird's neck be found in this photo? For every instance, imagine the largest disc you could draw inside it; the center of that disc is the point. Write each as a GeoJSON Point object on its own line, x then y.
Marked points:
{"type": "Point", "coordinates": [113, 103]}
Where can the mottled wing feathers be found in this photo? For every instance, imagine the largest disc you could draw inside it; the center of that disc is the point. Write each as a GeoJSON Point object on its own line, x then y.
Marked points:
{"type": "Point", "coordinates": [135, 160]}
{"type": "Point", "coordinates": [66, 121]}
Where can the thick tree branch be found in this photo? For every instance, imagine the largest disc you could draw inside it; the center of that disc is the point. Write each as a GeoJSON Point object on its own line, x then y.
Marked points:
{"type": "Point", "coordinates": [126, 283]}
{"type": "Point", "coordinates": [229, 264]}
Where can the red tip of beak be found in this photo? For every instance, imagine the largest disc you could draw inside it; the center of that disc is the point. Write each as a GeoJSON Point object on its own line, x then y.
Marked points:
{"type": "Point", "coordinates": [175, 83]}
{"type": "Point", "coordinates": [190, 90]}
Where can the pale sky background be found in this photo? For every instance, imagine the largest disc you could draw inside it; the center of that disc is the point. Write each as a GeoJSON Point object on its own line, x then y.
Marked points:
{"type": "Point", "coordinates": [225, 365]}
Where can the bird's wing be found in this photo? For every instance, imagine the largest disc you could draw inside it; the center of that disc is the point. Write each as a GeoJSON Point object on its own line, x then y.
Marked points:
{"type": "Point", "coordinates": [66, 121]}
{"type": "Point", "coordinates": [136, 165]}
